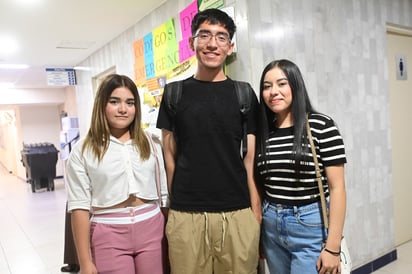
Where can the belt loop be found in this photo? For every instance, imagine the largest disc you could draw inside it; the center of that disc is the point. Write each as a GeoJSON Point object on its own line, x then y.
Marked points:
{"type": "Point", "coordinates": [265, 205]}
{"type": "Point", "coordinates": [295, 209]}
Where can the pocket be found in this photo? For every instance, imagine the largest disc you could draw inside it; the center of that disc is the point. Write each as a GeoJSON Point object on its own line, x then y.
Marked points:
{"type": "Point", "coordinates": [97, 235]}
{"type": "Point", "coordinates": [252, 215]}
{"type": "Point", "coordinates": [93, 228]}
{"type": "Point", "coordinates": [309, 218]}
{"type": "Point", "coordinates": [169, 223]}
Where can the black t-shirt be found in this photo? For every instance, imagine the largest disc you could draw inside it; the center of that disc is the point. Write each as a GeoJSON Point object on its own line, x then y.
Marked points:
{"type": "Point", "coordinates": [210, 174]}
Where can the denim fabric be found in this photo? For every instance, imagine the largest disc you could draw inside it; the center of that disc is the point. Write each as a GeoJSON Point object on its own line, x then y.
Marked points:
{"type": "Point", "coordinates": [292, 237]}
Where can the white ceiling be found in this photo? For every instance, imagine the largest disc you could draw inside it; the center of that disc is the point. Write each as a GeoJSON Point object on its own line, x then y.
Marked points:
{"type": "Point", "coordinates": [57, 33]}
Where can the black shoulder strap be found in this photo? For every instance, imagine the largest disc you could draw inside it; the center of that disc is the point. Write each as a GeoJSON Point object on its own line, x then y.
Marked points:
{"type": "Point", "coordinates": [173, 92]}
{"type": "Point", "coordinates": [244, 96]}
{"type": "Point", "coordinates": [243, 91]}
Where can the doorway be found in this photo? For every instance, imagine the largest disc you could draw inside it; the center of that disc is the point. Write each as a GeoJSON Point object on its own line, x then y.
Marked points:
{"type": "Point", "coordinates": [97, 80]}
{"type": "Point", "coordinates": [8, 141]}
{"type": "Point", "coordinates": [400, 96]}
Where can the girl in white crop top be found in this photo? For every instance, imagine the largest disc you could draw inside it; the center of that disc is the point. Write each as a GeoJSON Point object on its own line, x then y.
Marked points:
{"type": "Point", "coordinates": [116, 176]}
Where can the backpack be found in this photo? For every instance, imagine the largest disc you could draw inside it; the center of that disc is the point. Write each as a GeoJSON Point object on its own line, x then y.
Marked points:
{"type": "Point", "coordinates": [244, 94]}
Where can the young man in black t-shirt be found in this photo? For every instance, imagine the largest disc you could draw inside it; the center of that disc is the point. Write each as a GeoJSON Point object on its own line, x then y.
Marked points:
{"type": "Point", "coordinates": [215, 210]}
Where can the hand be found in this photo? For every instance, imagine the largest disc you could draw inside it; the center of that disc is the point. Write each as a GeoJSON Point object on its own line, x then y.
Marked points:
{"type": "Point", "coordinates": [261, 252]}
{"type": "Point", "coordinates": [258, 214]}
{"type": "Point", "coordinates": [88, 268]}
{"type": "Point", "coordinates": [165, 212]}
{"type": "Point", "coordinates": [328, 263]}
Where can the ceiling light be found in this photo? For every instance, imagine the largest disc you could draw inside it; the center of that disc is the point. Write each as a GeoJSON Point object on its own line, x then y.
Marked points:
{"type": "Point", "coordinates": [82, 68]}
{"type": "Point", "coordinates": [13, 66]}
{"type": "Point", "coordinates": [68, 44]}
{"type": "Point", "coordinates": [25, 2]}
{"type": "Point", "coordinates": [8, 45]}
{"type": "Point", "coordinates": [4, 86]}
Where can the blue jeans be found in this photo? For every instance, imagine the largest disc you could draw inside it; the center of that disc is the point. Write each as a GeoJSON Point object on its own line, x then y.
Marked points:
{"type": "Point", "coordinates": [292, 237]}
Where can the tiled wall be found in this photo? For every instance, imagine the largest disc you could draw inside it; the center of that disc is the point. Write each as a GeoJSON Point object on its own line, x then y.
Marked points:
{"type": "Point", "coordinates": [340, 46]}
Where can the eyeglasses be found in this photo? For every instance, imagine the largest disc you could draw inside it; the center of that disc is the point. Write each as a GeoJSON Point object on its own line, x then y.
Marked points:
{"type": "Point", "coordinates": [222, 39]}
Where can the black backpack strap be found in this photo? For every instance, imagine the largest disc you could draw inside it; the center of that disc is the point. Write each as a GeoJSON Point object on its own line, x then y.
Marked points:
{"type": "Point", "coordinates": [244, 96]}
{"type": "Point", "coordinates": [172, 94]}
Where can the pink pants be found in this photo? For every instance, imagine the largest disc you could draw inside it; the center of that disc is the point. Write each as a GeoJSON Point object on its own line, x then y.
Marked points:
{"type": "Point", "coordinates": [128, 240]}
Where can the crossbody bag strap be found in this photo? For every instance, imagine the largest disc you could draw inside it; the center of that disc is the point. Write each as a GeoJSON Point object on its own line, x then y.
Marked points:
{"type": "Point", "coordinates": [318, 175]}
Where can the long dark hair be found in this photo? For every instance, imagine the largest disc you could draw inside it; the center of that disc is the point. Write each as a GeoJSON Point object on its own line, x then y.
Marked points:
{"type": "Point", "coordinates": [300, 107]}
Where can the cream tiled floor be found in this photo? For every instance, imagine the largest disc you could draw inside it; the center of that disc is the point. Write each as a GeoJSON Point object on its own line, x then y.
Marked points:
{"type": "Point", "coordinates": [32, 227]}
{"type": "Point", "coordinates": [32, 230]}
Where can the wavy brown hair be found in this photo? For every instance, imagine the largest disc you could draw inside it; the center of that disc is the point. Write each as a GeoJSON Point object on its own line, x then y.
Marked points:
{"type": "Point", "coordinates": [98, 136]}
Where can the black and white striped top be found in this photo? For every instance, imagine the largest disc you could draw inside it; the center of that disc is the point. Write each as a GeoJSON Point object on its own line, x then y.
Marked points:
{"type": "Point", "coordinates": [282, 185]}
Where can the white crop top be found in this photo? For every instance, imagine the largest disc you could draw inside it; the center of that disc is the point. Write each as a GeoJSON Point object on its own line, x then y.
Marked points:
{"type": "Point", "coordinates": [120, 173]}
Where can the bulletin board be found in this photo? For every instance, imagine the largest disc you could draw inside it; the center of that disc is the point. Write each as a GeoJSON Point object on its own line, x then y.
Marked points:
{"type": "Point", "coordinates": [159, 58]}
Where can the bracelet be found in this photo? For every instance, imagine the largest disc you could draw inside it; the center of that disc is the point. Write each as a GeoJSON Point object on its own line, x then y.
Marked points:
{"type": "Point", "coordinates": [332, 252]}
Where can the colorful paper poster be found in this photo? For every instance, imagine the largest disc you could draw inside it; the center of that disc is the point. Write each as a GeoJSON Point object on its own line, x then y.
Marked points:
{"type": "Point", "coordinates": [186, 17]}
{"type": "Point", "coordinates": [172, 48]}
{"type": "Point", "coordinates": [152, 90]}
{"type": "Point", "coordinates": [208, 4]}
{"type": "Point", "coordinates": [159, 49]}
{"type": "Point", "coordinates": [149, 55]}
{"type": "Point", "coordinates": [183, 70]}
{"type": "Point", "coordinates": [185, 51]}
{"type": "Point", "coordinates": [139, 65]}
{"type": "Point", "coordinates": [160, 58]}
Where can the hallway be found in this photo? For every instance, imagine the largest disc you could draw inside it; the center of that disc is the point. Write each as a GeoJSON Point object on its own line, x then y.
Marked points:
{"type": "Point", "coordinates": [32, 227]}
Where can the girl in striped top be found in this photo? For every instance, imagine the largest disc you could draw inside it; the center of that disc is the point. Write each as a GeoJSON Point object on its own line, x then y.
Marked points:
{"type": "Point", "coordinates": [292, 229]}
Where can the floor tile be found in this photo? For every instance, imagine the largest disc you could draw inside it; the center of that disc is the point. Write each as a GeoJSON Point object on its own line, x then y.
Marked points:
{"type": "Point", "coordinates": [32, 240]}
